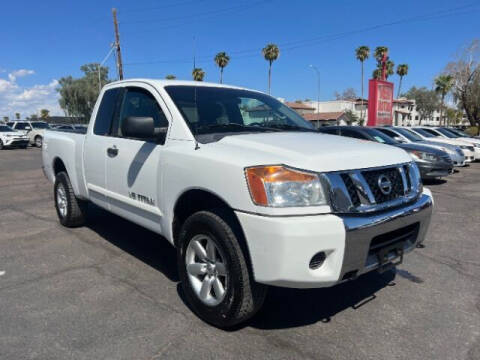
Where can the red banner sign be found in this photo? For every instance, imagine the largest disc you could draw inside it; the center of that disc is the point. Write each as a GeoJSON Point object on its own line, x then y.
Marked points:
{"type": "Point", "coordinates": [380, 103]}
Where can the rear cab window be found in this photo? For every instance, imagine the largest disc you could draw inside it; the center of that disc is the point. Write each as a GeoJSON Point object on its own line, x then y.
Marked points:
{"type": "Point", "coordinates": [106, 110]}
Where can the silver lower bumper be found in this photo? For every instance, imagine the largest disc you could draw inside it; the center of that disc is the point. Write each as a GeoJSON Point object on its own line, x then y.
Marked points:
{"type": "Point", "coordinates": [361, 230]}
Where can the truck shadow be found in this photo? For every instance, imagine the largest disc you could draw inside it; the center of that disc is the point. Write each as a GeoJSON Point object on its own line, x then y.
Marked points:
{"type": "Point", "coordinates": [145, 245]}
{"type": "Point", "coordinates": [283, 308]}
{"type": "Point", "coordinates": [287, 308]}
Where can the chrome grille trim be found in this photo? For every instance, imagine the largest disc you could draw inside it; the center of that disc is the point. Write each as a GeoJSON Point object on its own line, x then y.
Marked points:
{"type": "Point", "coordinates": [340, 196]}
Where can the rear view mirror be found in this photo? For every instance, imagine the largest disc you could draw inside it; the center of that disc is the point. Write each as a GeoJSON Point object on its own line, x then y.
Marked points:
{"type": "Point", "coordinates": [138, 127]}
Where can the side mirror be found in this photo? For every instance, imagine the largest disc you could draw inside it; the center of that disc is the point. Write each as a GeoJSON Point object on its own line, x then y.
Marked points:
{"type": "Point", "coordinates": [139, 127]}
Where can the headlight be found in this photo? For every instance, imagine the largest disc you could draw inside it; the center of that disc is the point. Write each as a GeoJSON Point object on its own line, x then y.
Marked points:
{"type": "Point", "coordinates": [420, 155]}
{"type": "Point", "coordinates": [279, 186]}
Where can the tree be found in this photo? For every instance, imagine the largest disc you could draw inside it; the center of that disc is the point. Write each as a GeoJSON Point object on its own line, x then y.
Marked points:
{"type": "Point", "coordinates": [198, 74]}
{"type": "Point", "coordinates": [44, 113]}
{"type": "Point", "coordinates": [377, 74]}
{"type": "Point", "coordinates": [221, 59]}
{"type": "Point", "coordinates": [380, 52]}
{"type": "Point", "coordinates": [271, 52]}
{"type": "Point", "coordinates": [466, 79]}
{"type": "Point", "coordinates": [443, 85]}
{"type": "Point", "coordinates": [6, 118]}
{"type": "Point", "coordinates": [362, 53]}
{"type": "Point", "coordinates": [426, 101]}
{"type": "Point", "coordinates": [347, 94]}
{"type": "Point", "coordinates": [454, 116]}
{"type": "Point", "coordinates": [17, 116]}
{"type": "Point", "coordinates": [402, 70]}
{"type": "Point", "coordinates": [78, 96]}
{"type": "Point", "coordinates": [33, 117]}
{"type": "Point", "coordinates": [170, 77]}
{"type": "Point", "coordinates": [351, 117]}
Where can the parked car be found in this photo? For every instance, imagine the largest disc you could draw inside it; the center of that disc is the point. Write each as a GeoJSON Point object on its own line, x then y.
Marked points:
{"type": "Point", "coordinates": [33, 129]}
{"type": "Point", "coordinates": [10, 138]}
{"type": "Point", "coordinates": [447, 133]}
{"type": "Point", "coordinates": [408, 137]}
{"type": "Point", "coordinates": [467, 149]}
{"type": "Point", "coordinates": [248, 192]}
{"type": "Point", "coordinates": [433, 163]}
{"type": "Point", "coordinates": [462, 133]}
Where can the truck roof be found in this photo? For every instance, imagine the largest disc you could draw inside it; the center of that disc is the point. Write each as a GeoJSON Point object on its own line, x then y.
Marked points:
{"type": "Point", "coordinates": [164, 82]}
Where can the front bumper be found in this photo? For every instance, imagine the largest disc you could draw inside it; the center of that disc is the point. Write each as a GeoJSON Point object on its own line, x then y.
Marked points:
{"type": "Point", "coordinates": [15, 142]}
{"type": "Point", "coordinates": [432, 170]}
{"type": "Point", "coordinates": [281, 248]}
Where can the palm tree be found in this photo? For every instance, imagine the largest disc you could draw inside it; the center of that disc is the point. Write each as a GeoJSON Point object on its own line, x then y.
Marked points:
{"type": "Point", "coordinates": [221, 59]}
{"type": "Point", "coordinates": [380, 51]}
{"type": "Point", "coordinates": [443, 85]}
{"type": "Point", "coordinates": [377, 74]}
{"type": "Point", "coordinates": [17, 116]}
{"type": "Point", "coordinates": [198, 74]}
{"type": "Point", "coordinates": [271, 52]}
{"type": "Point", "coordinates": [170, 77]}
{"type": "Point", "coordinates": [389, 68]}
{"type": "Point", "coordinates": [402, 70]}
{"type": "Point", "coordinates": [362, 53]}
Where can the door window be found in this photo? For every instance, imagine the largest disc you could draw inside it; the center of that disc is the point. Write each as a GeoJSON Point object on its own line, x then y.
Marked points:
{"type": "Point", "coordinates": [103, 121]}
{"type": "Point", "coordinates": [138, 102]}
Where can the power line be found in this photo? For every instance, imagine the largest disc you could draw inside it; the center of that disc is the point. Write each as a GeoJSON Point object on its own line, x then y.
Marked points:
{"type": "Point", "coordinates": [167, 6]}
{"type": "Point", "coordinates": [204, 14]}
{"type": "Point", "coordinates": [326, 38]}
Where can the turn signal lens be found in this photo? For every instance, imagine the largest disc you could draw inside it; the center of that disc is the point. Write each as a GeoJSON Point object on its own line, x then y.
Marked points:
{"type": "Point", "coordinates": [279, 186]}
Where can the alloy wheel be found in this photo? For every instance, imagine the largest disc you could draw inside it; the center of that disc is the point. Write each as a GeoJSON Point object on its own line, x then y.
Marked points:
{"type": "Point", "coordinates": [206, 269]}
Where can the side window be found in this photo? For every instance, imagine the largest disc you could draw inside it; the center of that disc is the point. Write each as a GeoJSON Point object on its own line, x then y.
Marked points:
{"type": "Point", "coordinates": [105, 112]}
{"type": "Point", "coordinates": [353, 134]}
{"type": "Point", "coordinates": [138, 102]}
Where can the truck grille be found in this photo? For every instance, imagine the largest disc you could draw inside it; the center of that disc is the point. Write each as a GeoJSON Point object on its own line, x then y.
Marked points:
{"type": "Point", "coordinates": [393, 174]}
{"type": "Point", "coordinates": [376, 189]}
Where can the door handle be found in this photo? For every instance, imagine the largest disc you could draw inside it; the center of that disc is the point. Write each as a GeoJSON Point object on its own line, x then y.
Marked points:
{"type": "Point", "coordinates": [112, 151]}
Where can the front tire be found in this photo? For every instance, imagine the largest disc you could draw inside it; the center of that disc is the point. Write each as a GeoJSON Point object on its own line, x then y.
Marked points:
{"type": "Point", "coordinates": [1, 144]}
{"type": "Point", "coordinates": [216, 280]}
{"type": "Point", "coordinates": [70, 210]}
{"type": "Point", "coordinates": [38, 141]}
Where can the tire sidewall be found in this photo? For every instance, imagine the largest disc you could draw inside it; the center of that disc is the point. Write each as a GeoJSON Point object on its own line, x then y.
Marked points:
{"type": "Point", "coordinates": [62, 179]}
{"type": "Point", "coordinates": [221, 314]}
{"type": "Point", "coordinates": [37, 139]}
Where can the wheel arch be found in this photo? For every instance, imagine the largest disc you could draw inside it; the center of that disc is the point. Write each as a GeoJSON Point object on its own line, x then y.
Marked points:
{"type": "Point", "coordinates": [196, 199]}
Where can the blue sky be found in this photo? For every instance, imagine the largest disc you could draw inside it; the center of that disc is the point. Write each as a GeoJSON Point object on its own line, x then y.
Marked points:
{"type": "Point", "coordinates": [44, 40]}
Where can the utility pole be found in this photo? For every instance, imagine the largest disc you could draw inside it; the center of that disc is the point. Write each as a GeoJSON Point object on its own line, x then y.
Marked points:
{"type": "Point", "coordinates": [117, 45]}
{"type": "Point", "coordinates": [314, 68]}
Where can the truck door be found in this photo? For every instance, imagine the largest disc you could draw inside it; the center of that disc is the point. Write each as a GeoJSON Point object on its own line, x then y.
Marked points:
{"type": "Point", "coordinates": [134, 165]}
{"type": "Point", "coordinates": [97, 142]}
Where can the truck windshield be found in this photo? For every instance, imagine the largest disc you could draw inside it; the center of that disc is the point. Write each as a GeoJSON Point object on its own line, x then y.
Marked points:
{"type": "Point", "coordinates": [216, 110]}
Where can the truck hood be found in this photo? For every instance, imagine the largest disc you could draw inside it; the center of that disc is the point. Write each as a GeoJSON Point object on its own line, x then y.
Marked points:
{"type": "Point", "coordinates": [308, 151]}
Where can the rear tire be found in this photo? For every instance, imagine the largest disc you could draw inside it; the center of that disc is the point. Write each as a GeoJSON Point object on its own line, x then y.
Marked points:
{"type": "Point", "coordinates": [232, 296]}
{"type": "Point", "coordinates": [70, 210]}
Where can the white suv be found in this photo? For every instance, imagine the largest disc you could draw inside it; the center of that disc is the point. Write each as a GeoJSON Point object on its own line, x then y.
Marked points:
{"type": "Point", "coordinates": [11, 138]}
{"type": "Point", "coordinates": [33, 129]}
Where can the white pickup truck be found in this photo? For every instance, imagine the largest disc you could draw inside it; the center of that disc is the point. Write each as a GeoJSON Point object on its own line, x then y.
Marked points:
{"type": "Point", "coordinates": [245, 189]}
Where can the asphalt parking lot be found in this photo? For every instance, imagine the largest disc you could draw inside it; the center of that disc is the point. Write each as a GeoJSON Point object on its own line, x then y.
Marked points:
{"type": "Point", "coordinates": [109, 290]}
